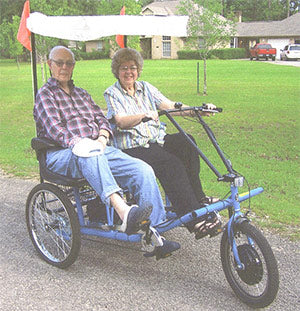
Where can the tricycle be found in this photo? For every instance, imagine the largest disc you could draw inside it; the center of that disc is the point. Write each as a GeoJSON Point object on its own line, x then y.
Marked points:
{"type": "Point", "coordinates": [57, 215]}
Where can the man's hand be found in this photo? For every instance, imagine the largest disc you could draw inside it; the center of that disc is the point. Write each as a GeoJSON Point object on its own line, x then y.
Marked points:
{"type": "Point", "coordinates": [103, 140]}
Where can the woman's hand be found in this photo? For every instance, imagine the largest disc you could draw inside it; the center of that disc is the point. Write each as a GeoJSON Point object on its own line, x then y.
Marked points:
{"type": "Point", "coordinates": [153, 115]}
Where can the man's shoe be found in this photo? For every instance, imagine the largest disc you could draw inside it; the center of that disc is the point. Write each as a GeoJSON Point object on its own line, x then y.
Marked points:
{"type": "Point", "coordinates": [135, 219]}
{"type": "Point", "coordinates": [164, 251]}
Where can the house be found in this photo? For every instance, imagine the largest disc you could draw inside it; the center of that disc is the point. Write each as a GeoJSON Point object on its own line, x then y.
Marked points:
{"type": "Point", "coordinates": [95, 45]}
{"type": "Point", "coordinates": [157, 47]}
{"type": "Point", "coordinates": [277, 33]}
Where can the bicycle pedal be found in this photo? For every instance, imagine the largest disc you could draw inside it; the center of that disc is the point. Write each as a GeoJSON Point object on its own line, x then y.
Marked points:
{"type": "Point", "coordinates": [216, 232]}
{"type": "Point", "coordinates": [144, 225]}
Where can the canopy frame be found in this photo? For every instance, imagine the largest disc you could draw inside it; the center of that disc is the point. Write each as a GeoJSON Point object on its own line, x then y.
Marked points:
{"type": "Point", "coordinates": [88, 28]}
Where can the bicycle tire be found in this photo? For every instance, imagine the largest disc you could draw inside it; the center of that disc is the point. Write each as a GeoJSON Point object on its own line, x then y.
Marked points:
{"type": "Point", "coordinates": [256, 285]}
{"type": "Point", "coordinates": [53, 225]}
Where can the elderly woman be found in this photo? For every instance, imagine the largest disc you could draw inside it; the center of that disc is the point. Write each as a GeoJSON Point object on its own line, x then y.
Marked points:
{"type": "Point", "coordinates": [174, 162]}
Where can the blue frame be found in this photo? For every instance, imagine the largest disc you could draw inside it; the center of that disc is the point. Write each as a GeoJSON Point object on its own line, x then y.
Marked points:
{"type": "Point", "coordinates": [173, 221]}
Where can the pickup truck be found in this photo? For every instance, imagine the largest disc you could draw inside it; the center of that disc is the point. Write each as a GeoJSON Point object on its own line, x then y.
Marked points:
{"type": "Point", "coordinates": [262, 50]}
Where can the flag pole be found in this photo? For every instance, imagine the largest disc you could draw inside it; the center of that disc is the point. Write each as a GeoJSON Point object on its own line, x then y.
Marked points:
{"type": "Point", "coordinates": [33, 67]}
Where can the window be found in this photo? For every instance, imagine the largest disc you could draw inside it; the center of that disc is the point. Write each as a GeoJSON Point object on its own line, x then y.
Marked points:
{"type": "Point", "coordinates": [99, 45]}
{"type": "Point", "coordinates": [295, 48]}
{"type": "Point", "coordinates": [166, 46]}
{"type": "Point", "coordinates": [166, 49]}
{"type": "Point", "coordinates": [201, 43]}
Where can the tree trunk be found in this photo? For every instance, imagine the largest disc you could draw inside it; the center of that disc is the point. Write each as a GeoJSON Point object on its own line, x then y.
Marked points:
{"type": "Point", "coordinates": [17, 60]}
{"type": "Point", "coordinates": [204, 77]}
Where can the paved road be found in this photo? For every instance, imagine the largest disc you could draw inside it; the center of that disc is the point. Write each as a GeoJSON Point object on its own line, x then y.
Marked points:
{"type": "Point", "coordinates": [285, 63]}
{"type": "Point", "coordinates": [115, 276]}
{"type": "Point", "coordinates": [276, 62]}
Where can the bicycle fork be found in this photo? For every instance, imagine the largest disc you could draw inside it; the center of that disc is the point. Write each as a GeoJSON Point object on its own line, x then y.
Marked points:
{"type": "Point", "coordinates": [236, 218]}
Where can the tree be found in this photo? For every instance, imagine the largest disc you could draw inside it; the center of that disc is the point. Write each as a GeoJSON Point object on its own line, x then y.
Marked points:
{"type": "Point", "coordinates": [16, 49]}
{"type": "Point", "coordinates": [8, 39]}
{"type": "Point", "coordinates": [262, 10]}
{"type": "Point", "coordinates": [207, 29]}
{"type": "Point", "coordinates": [9, 8]}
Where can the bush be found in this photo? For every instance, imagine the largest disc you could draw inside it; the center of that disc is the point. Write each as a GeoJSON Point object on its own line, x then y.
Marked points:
{"type": "Point", "coordinates": [188, 54]}
{"type": "Point", "coordinates": [230, 53]}
{"type": "Point", "coordinates": [79, 55]}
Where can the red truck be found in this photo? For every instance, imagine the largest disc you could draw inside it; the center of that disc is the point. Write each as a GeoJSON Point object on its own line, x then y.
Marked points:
{"type": "Point", "coordinates": [262, 50]}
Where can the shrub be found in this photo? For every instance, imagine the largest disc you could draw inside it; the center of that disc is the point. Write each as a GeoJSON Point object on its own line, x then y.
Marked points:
{"type": "Point", "coordinates": [79, 55]}
{"type": "Point", "coordinates": [230, 53]}
{"type": "Point", "coordinates": [188, 54]}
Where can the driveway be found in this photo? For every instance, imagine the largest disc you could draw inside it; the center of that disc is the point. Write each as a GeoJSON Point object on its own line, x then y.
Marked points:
{"type": "Point", "coordinates": [112, 275]}
{"type": "Point", "coordinates": [284, 63]}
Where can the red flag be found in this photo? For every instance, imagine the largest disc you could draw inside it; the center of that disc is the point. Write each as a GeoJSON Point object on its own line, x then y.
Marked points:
{"type": "Point", "coordinates": [120, 38]}
{"type": "Point", "coordinates": [23, 32]}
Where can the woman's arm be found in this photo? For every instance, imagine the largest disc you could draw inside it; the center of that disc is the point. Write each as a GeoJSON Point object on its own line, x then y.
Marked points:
{"type": "Point", "coordinates": [127, 122]}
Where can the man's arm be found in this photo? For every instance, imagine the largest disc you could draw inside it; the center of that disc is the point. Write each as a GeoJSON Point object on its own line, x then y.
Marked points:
{"type": "Point", "coordinates": [49, 122]}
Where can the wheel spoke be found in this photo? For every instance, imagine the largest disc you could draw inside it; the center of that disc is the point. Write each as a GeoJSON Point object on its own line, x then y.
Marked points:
{"type": "Point", "coordinates": [257, 283]}
{"type": "Point", "coordinates": [50, 215]}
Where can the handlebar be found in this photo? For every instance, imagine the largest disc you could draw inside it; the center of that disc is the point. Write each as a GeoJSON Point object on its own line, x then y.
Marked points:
{"type": "Point", "coordinates": [178, 108]}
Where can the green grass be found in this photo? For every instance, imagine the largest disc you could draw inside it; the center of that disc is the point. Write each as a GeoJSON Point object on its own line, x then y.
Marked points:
{"type": "Point", "coordinates": [259, 128]}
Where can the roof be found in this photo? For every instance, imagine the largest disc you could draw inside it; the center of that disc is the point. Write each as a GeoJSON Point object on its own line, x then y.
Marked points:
{"type": "Point", "coordinates": [162, 8]}
{"type": "Point", "coordinates": [285, 28]}
{"type": "Point", "coordinates": [288, 27]}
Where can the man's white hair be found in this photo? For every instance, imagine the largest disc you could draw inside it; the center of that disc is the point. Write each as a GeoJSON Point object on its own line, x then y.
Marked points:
{"type": "Point", "coordinates": [60, 47]}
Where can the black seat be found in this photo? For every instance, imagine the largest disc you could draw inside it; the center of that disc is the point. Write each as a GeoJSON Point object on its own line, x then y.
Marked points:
{"type": "Point", "coordinates": [41, 145]}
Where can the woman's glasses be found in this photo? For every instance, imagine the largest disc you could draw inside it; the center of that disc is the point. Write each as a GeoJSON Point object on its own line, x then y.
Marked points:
{"type": "Point", "coordinates": [126, 68]}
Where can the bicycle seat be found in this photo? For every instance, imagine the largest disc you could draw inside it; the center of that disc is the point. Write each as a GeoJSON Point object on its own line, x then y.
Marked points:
{"type": "Point", "coordinates": [41, 145]}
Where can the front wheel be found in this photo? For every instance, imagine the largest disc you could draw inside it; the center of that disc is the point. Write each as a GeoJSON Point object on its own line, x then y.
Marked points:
{"type": "Point", "coordinates": [53, 225]}
{"type": "Point", "coordinates": [257, 283]}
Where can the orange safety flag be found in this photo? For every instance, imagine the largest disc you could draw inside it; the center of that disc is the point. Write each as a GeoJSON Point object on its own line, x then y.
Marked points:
{"type": "Point", "coordinates": [23, 35]}
{"type": "Point", "coordinates": [120, 38]}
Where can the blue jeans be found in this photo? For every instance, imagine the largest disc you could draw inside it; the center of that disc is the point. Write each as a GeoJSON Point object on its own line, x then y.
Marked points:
{"type": "Point", "coordinates": [111, 172]}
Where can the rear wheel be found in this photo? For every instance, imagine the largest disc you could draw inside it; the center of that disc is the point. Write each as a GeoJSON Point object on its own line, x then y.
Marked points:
{"type": "Point", "coordinates": [257, 283]}
{"type": "Point", "coordinates": [53, 225]}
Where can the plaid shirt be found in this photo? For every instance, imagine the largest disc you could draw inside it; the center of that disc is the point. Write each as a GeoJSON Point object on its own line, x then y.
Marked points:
{"type": "Point", "coordinates": [67, 118]}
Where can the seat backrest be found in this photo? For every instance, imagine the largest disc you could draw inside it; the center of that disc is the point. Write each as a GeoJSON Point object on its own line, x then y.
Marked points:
{"type": "Point", "coordinates": [41, 145]}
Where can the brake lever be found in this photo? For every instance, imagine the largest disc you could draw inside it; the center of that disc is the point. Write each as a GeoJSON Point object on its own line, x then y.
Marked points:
{"type": "Point", "coordinates": [205, 108]}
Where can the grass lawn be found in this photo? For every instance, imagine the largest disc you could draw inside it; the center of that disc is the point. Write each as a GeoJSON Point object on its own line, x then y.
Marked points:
{"type": "Point", "coordinates": [258, 129]}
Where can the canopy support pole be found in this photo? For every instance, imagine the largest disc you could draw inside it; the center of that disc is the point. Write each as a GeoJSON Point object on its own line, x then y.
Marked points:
{"type": "Point", "coordinates": [33, 66]}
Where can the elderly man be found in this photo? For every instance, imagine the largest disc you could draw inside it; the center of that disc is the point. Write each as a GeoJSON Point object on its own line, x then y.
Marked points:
{"type": "Point", "coordinates": [68, 115]}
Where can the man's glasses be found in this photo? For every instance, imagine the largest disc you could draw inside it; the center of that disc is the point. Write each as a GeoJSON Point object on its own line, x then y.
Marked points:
{"type": "Point", "coordinates": [131, 68]}
{"type": "Point", "coordinates": [60, 63]}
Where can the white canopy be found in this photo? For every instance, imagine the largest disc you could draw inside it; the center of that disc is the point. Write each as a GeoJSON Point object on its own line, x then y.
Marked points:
{"type": "Point", "coordinates": [86, 28]}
